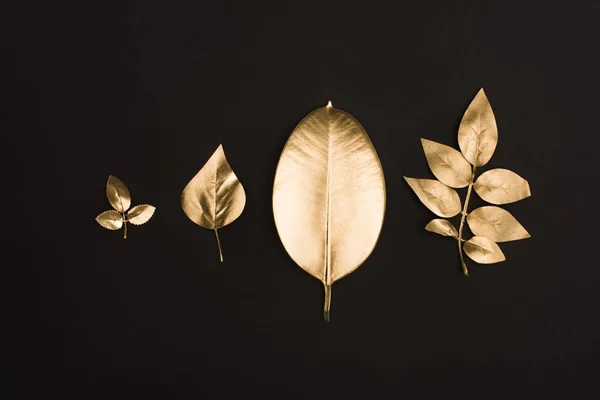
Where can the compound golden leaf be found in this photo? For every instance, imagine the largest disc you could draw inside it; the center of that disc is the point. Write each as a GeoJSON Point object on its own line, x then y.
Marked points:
{"type": "Point", "coordinates": [477, 133]}
{"type": "Point", "coordinates": [118, 194]}
{"type": "Point", "coordinates": [501, 186]}
{"type": "Point", "coordinates": [483, 250]}
{"type": "Point", "coordinates": [442, 227]}
{"type": "Point", "coordinates": [439, 198]}
{"type": "Point", "coordinates": [110, 220]}
{"type": "Point", "coordinates": [447, 164]}
{"type": "Point", "coordinates": [496, 224]}
{"type": "Point", "coordinates": [141, 214]}
{"type": "Point", "coordinates": [329, 196]}
{"type": "Point", "coordinates": [214, 197]}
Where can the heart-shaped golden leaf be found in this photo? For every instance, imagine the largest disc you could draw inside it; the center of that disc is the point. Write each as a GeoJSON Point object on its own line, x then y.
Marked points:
{"type": "Point", "coordinates": [214, 197]}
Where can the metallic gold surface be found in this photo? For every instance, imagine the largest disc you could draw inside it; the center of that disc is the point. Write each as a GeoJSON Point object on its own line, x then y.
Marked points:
{"type": "Point", "coordinates": [483, 250]}
{"type": "Point", "coordinates": [447, 164]}
{"type": "Point", "coordinates": [214, 197]}
{"type": "Point", "coordinates": [477, 138]}
{"type": "Point", "coordinates": [495, 223]}
{"type": "Point", "coordinates": [119, 197]}
{"type": "Point", "coordinates": [477, 133]}
{"type": "Point", "coordinates": [439, 198]}
{"type": "Point", "coordinates": [329, 196]}
{"type": "Point", "coordinates": [501, 186]}
{"type": "Point", "coordinates": [442, 227]}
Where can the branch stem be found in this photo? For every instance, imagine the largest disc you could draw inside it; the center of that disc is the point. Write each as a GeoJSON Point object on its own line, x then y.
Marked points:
{"type": "Point", "coordinates": [124, 228]}
{"type": "Point", "coordinates": [462, 223]}
{"type": "Point", "coordinates": [327, 306]}
{"type": "Point", "coordinates": [219, 245]}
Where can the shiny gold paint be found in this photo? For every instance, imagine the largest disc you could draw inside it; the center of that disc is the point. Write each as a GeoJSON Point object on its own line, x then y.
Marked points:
{"type": "Point", "coordinates": [477, 139]}
{"type": "Point", "coordinates": [214, 197]}
{"type": "Point", "coordinates": [119, 197]}
{"type": "Point", "coordinates": [329, 196]}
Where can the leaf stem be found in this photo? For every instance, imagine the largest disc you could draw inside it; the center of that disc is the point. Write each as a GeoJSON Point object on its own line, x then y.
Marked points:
{"type": "Point", "coordinates": [124, 228]}
{"type": "Point", "coordinates": [462, 223]}
{"type": "Point", "coordinates": [219, 245]}
{"type": "Point", "coordinates": [327, 306]}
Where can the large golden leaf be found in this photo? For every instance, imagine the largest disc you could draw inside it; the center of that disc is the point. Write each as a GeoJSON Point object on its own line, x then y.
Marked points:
{"type": "Point", "coordinates": [447, 164]}
{"type": "Point", "coordinates": [477, 133]}
{"type": "Point", "coordinates": [496, 224]}
{"type": "Point", "coordinates": [329, 196]}
{"type": "Point", "coordinates": [439, 198]}
{"type": "Point", "coordinates": [214, 197]}
{"type": "Point", "coordinates": [442, 227]}
{"type": "Point", "coordinates": [483, 250]}
{"type": "Point", "coordinates": [501, 186]}
{"type": "Point", "coordinates": [118, 194]}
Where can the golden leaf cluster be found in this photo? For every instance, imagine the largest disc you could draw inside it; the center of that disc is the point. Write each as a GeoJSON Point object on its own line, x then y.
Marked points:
{"type": "Point", "coordinates": [120, 199]}
{"type": "Point", "coordinates": [477, 139]}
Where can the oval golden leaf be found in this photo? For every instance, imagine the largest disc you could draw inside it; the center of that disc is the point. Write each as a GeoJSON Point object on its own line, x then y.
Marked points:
{"type": "Point", "coordinates": [118, 194]}
{"type": "Point", "coordinates": [139, 215]}
{"type": "Point", "coordinates": [442, 227]}
{"type": "Point", "coordinates": [439, 198]}
{"type": "Point", "coordinates": [329, 195]}
{"type": "Point", "coordinates": [501, 186]}
{"type": "Point", "coordinates": [110, 220]}
{"type": "Point", "coordinates": [447, 164]}
{"type": "Point", "coordinates": [214, 197]}
{"type": "Point", "coordinates": [483, 250]}
{"type": "Point", "coordinates": [496, 224]}
{"type": "Point", "coordinates": [478, 133]}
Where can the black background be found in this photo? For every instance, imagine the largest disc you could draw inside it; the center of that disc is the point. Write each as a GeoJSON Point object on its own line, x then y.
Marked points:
{"type": "Point", "coordinates": [147, 90]}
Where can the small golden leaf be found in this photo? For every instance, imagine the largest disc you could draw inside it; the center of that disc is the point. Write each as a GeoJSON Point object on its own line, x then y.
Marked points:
{"type": "Point", "coordinates": [477, 133]}
{"type": "Point", "coordinates": [118, 194]}
{"type": "Point", "coordinates": [496, 224]}
{"type": "Point", "coordinates": [214, 197]}
{"type": "Point", "coordinates": [447, 164]}
{"type": "Point", "coordinates": [501, 186]}
{"type": "Point", "coordinates": [439, 198]}
{"type": "Point", "coordinates": [442, 227]}
{"type": "Point", "coordinates": [139, 215]}
{"type": "Point", "coordinates": [329, 196]}
{"type": "Point", "coordinates": [483, 250]}
{"type": "Point", "coordinates": [110, 220]}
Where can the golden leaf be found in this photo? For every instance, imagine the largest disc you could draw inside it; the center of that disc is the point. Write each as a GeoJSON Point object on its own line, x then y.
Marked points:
{"type": "Point", "coordinates": [442, 227]}
{"type": "Point", "coordinates": [118, 194]}
{"type": "Point", "coordinates": [119, 198]}
{"type": "Point", "coordinates": [329, 196]}
{"type": "Point", "coordinates": [110, 220]}
{"type": "Point", "coordinates": [477, 133]}
{"type": "Point", "coordinates": [139, 215]}
{"type": "Point", "coordinates": [483, 250]}
{"type": "Point", "coordinates": [439, 198]}
{"type": "Point", "coordinates": [447, 164]}
{"type": "Point", "coordinates": [477, 138]}
{"type": "Point", "coordinates": [501, 186]}
{"type": "Point", "coordinates": [214, 197]}
{"type": "Point", "coordinates": [496, 224]}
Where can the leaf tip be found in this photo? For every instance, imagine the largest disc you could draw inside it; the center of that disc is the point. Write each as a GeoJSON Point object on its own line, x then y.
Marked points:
{"type": "Point", "coordinates": [329, 105]}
